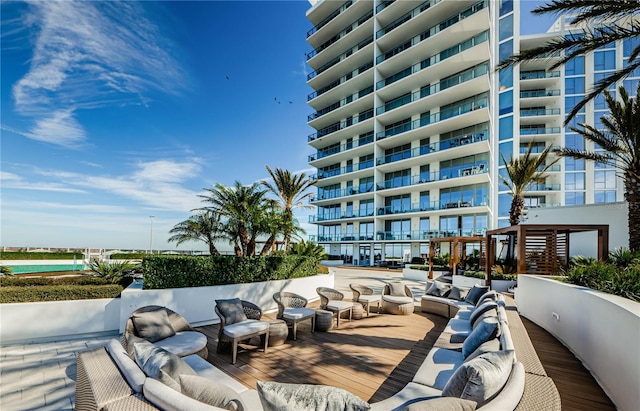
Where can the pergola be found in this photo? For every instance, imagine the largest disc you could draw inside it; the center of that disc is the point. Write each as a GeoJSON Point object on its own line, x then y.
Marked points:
{"type": "Point", "coordinates": [458, 255]}
{"type": "Point", "coordinates": [541, 248]}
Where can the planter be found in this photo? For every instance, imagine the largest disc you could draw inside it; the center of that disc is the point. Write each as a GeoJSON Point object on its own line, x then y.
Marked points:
{"type": "Point", "coordinates": [502, 286]}
{"type": "Point", "coordinates": [415, 275]}
{"type": "Point", "coordinates": [462, 281]}
{"type": "Point", "coordinates": [332, 263]}
{"type": "Point", "coordinates": [602, 330]}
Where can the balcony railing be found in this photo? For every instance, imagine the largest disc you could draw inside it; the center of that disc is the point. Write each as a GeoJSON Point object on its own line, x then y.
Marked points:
{"type": "Point", "coordinates": [340, 35]}
{"type": "Point", "coordinates": [536, 149]}
{"type": "Point", "coordinates": [396, 235]}
{"type": "Point", "coordinates": [329, 194]}
{"type": "Point", "coordinates": [383, 5]}
{"type": "Point", "coordinates": [341, 103]}
{"type": "Point", "coordinates": [406, 17]}
{"type": "Point", "coordinates": [341, 80]}
{"type": "Point", "coordinates": [344, 147]}
{"type": "Point", "coordinates": [427, 177]}
{"type": "Point", "coordinates": [538, 74]}
{"type": "Point", "coordinates": [341, 57]}
{"type": "Point", "coordinates": [342, 170]}
{"type": "Point", "coordinates": [539, 93]}
{"type": "Point", "coordinates": [436, 58]}
{"type": "Point", "coordinates": [432, 206]}
{"type": "Point", "coordinates": [544, 187]}
{"type": "Point", "coordinates": [358, 118]}
{"type": "Point", "coordinates": [341, 214]}
{"type": "Point", "coordinates": [330, 17]}
{"type": "Point", "coordinates": [532, 112]}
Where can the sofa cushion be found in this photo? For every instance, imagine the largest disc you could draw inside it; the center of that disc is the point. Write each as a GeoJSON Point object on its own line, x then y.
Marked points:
{"type": "Point", "coordinates": [481, 378]}
{"type": "Point", "coordinates": [442, 403]}
{"type": "Point", "coordinates": [438, 367]}
{"type": "Point", "coordinates": [481, 309]}
{"type": "Point", "coordinates": [210, 392]}
{"type": "Point", "coordinates": [486, 330]}
{"type": "Point", "coordinates": [129, 369]}
{"type": "Point", "coordinates": [396, 288]}
{"type": "Point", "coordinates": [485, 347]}
{"type": "Point", "coordinates": [232, 311]}
{"type": "Point", "coordinates": [336, 305]}
{"type": "Point", "coordinates": [168, 399]}
{"type": "Point", "coordinates": [277, 396]}
{"type": "Point", "coordinates": [206, 370]}
{"type": "Point", "coordinates": [160, 364]}
{"type": "Point", "coordinates": [458, 293]}
{"type": "Point", "coordinates": [184, 343]}
{"type": "Point", "coordinates": [152, 325]}
{"type": "Point", "coordinates": [245, 328]}
{"type": "Point", "coordinates": [439, 289]}
{"type": "Point", "coordinates": [397, 299]}
{"type": "Point", "coordinates": [297, 313]}
{"type": "Point", "coordinates": [489, 295]}
{"type": "Point", "coordinates": [412, 392]}
{"type": "Point", "coordinates": [475, 293]}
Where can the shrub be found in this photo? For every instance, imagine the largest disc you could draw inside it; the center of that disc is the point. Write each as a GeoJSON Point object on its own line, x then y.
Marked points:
{"type": "Point", "coordinates": [419, 267]}
{"type": "Point", "coordinates": [38, 281]}
{"type": "Point", "coordinates": [23, 255]}
{"type": "Point", "coordinates": [177, 272]}
{"type": "Point", "coordinates": [58, 293]}
{"type": "Point", "coordinates": [323, 269]}
{"type": "Point", "coordinates": [112, 272]}
{"type": "Point", "coordinates": [623, 257]}
{"type": "Point", "coordinates": [5, 270]}
{"type": "Point", "coordinates": [128, 256]}
{"type": "Point", "coordinates": [476, 274]}
{"type": "Point", "coordinates": [417, 260]}
{"type": "Point", "coordinates": [609, 278]}
{"type": "Point", "coordinates": [441, 260]}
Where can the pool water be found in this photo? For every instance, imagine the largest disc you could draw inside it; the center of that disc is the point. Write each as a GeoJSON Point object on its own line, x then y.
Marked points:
{"type": "Point", "coordinates": [42, 268]}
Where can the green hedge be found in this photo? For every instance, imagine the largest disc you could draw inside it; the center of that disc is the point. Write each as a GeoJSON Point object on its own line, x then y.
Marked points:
{"type": "Point", "coordinates": [37, 281]}
{"type": "Point", "coordinates": [57, 293]}
{"type": "Point", "coordinates": [23, 255]}
{"type": "Point", "coordinates": [128, 256]}
{"type": "Point", "coordinates": [182, 271]}
{"type": "Point", "coordinates": [609, 278]}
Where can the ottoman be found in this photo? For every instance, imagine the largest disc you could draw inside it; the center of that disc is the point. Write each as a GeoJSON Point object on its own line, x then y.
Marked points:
{"type": "Point", "coordinates": [324, 320]}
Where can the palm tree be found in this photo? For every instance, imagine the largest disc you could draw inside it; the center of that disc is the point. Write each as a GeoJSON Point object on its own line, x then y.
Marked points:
{"type": "Point", "coordinates": [309, 249]}
{"type": "Point", "coordinates": [522, 172]}
{"type": "Point", "coordinates": [205, 226]}
{"type": "Point", "coordinates": [603, 22]}
{"type": "Point", "coordinates": [620, 142]}
{"type": "Point", "coordinates": [243, 208]}
{"type": "Point", "coordinates": [290, 189]}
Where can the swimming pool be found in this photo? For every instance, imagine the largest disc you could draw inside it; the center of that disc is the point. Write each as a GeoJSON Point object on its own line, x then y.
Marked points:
{"type": "Point", "coordinates": [42, 268]}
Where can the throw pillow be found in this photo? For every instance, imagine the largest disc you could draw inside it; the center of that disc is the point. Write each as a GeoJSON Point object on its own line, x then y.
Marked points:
{"type": "Point", "coordinates": [160, 364]}
{"type": "Point", "coordinates": [277, 396]}
{"type": "Point", "coordinates": [481, 309]}
{"type": "Point", "coordinates": [129, 369]}
{"type": "Point", "coordinates": [489, 346]}
{"type": "Point", "coordinates": [439, 289]}
{"type": "Point", "coordinates": [481, 378]}
{"type": "Point", "coordinates": [458, 293]}
{"type": "Point", "coordinates": [397, 288]}
{"type": "Point", "coordinates": [475, 293]}
{"type": "Point", "coordinates": [489, 295]}
{"type": "Point", "coordinates": [153, 325]}
{"type": "Point", "coordinates": [486, 330]}
{"type": "Point", "coordinates": [442, 403]}
{"type": "Point", "coordinates": [232, 310]}
{"type": "Point", "coordinates": [210, 392]}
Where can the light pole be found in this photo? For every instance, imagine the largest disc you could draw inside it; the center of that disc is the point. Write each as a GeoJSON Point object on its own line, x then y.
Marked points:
{"type": "Point", "coordinates": [151, 235]}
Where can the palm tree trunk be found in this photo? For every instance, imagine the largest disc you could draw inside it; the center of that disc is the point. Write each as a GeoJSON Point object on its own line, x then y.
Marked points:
{"type": "Point", "coordinates": [517, 205]}
{"type": "Point", "coordinates": [212, 247]}
{"type": "Point", "coordinates": [267, 246]}
{"type": "Point", "coordinates": [632, 186]}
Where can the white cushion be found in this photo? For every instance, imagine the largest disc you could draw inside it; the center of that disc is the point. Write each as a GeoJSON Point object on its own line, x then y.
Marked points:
{"type": "Point", "coordinates": [131, 371]}
{"type": "Point", "coordinates": [297, 313]}
{"type": "Point", "coordinates": [336, 305]}
{"type": "Point", "coordinates": [168, 399]}
{"type": "Point", "coordinates": [245, 328]}
{"type": "Point", "coordinates": [458, 326]}
{"type": "Point", "coordinates": [184, 343]}
{"type": "Point", "coordinates": [411, 393]}
{"type": "Point", "coordinates": [438, 367]}
{"type": "Point", "coordinates": [204, 369]}
{"type": "Point", "coordinates": [397, 300]}
{"type": "Point", "coordinates": [368, 298]}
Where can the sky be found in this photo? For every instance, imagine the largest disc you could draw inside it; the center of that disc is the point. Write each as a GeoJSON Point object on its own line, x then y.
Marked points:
{"type": "Point", "coordinates": [116, 116]}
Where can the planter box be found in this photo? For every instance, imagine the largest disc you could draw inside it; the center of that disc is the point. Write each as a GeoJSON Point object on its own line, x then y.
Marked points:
{"type": "Point", "coordinates": [415, 275]}
{"type": "Point", "coordinates": [462, 281]}
{"type": "Point", "coordinates": [601, 329]}
{"type": "Point", "coordinates": [332, 263]}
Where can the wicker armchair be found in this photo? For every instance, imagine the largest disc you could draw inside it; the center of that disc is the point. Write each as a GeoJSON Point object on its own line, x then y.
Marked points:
{"type": "Point", "coordinates": [233, 334]}
{"type": "Point", "coordinates": [194, 341]}
{"type": "Point", "coordinates": [395, 303]}
{"type": "Point", "coordinates": [292, 308]}
{"type": "Point", "coordinates": [331, 300]}
{"type": "Point", "coordinates": [364, 295]}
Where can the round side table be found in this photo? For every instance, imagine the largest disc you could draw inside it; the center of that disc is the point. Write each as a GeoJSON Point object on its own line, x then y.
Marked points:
{"type": "Point", "coordinates": [324, 320]}
{"type": "Point", "coordinates": [358, 311]}
{"type": "Point", "coordinates": [278, 332]}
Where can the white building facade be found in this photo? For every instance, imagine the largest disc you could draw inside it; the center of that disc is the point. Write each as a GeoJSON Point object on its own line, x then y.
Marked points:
{"type": "Point", "coordinates": [411, 120]}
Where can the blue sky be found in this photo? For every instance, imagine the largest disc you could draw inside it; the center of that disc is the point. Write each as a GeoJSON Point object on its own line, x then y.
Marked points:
{"type": "Point", "coordinates": [116, 111]}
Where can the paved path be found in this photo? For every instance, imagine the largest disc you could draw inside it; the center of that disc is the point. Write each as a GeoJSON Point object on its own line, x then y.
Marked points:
{"type": "Point", "coordinates": [41, 376]}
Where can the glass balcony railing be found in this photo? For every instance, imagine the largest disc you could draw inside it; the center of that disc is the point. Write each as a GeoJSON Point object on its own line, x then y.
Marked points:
{"type": "Point", "coordinates": [539, 93]}
{"type": "Point", "coordinates": [553, 169]}
{"type": "Point", "coordinates": [342, 170]}
{"type": "Point", "coordinates": [436, 58]}
{"type": "Point", "coordinates": [397, 235]}
{"type": "Point", "coordinates": [541, 205]}
{"type": "Point", "coordinates": [427, 177]}
{"type": "Point", "coordinates": [341, 80]}
{"type": "Point", "coordinates": [532, 112]}
{"type": "Point", "coordinates": [467, 75]}
{"type": "Point", "coordinates": [536, 149]}
{"type": "Point", "coordinates": [406, 17]}
{"type": "Point", "coordinates": [433, 206]}
{"type": "Point", "coordinates": [343, 147]}
{"type": "Point", "coordinates": [341, 57]}
{"type": "Point", "coordinates": [539, 130]}
{"type": "Point", "coordinates": [340, 35]}
{"type": "Point", "coordinates": [538, 74]}
{"type": "Point", "coordinates": [341, 103]}
{"type": "Point", "coordinates": [330, 17]}
{"type": "Point", "coordinates": [469, 105]}
{"type": "Point", "coordinates": [363, 212]}
{"type": "Point", "coordinates": [544, 187]}
{"type": "Point", "coordinates": [383, 5]}
{"type": "Point", "coordinates": [429, 32]}
{"type": "Point", "coordinates": [329, 194]}
{"type": "Point", "coordinates": [359, 118]}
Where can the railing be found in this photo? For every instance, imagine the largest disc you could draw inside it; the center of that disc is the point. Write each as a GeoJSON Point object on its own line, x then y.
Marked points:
{"type": "Point", "coordinates": [341, 80]}
{"type": "Point", "coordinates": [342, 170]}
{"type": "Point", "coordinates": [358, 118]}
{"type": "Point", "coordinates": [383, 5]}
{"type": "Point", "coordinates": [365, 17]}
{"type": "Point", "coordinates": [406, 17]}
{"type": "Point", "coordinates": [344, 147]}
{"type": "Point", "coordinates": [427, 177]}
{"type": "Point", "coordinates": [536, 149]}
{"type": "Point", "coordinates": [330, 17]}
{"type": "Point", "coordinates": [477, 102]}
{"type": "Point", "coordinates": [396, 235]}
{"type": "Point", "coordinates": [531, 112]}
{"type": "Point", "coordinates": [541, 205]}
{"type": "Point", "coordinates": [467, 75]}
{"type": "Point", "coordinates": [341, 57]}
{"type": "Point", "coordinates": [540, 130]}
{"type": "Point", "coordinates": [539, 93]}
{"type": "Point", "coordinates": [538, 74]}
{"type": "Point", "coordinates": [434, 59]}
{"type": "Point", "coordinates": [554, 168]}
{"type": "Point", "coordinates": [363, 212]}
{"type": "Point", "coordinates": [431, 31]}
{"type": "Point", "coordinates": [544, 187]}
{"type": "Point", "coordinates": [433, 206]}
{"type": "Point", "coordinates": [329, 194]}
{"type": "Point", "coordinates": [341, 103]}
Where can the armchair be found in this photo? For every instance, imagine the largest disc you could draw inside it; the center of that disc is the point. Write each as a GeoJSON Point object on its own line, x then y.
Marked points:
{"type": "Point", "coordinates": [239, 321]}
{"type": "Point", "coordinates": [397, 298]}
{"type": "Point", "coordinates": [292, 308]}
{"type": "Point", "coordinates": [331, 300]}
{"type": "Point", "coordinates": [364, 295]}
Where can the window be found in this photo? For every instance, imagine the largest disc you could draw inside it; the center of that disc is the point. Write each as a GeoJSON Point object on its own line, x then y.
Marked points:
{"type": "Point", "coordinates": [506, 128]}
{"type": "Point", "coordinates": [604, 180]}
{"type": "Point", "coordinates": [604, 60]}
{"type": "Point", "coordinates": [604, 196]}
{"type": "Point", "coordinates": [506, 78]}
{"type": "Point", "coordinates": [574, 198]}
{"type": "Point", "coordinates": [506, 151]}
{"type": "Point", "coordinates": [506, 6]}
{"type": "Point", "coordinates": [504, 204]}
{"type": "Point", "coordinates": [574, 85]}
{"type": "Point", "coordinates": [574, 181]}
{"type": "Point", "coordinates": [574, 66]}
{"type": "Point", "coordinates": [366, 208]}
{"type": "Point", "coordinates": [506, 49]}
{"type": "Point", "coordinates": [506, 102]}
{"type": "Point", "coordinates": [506, 27]}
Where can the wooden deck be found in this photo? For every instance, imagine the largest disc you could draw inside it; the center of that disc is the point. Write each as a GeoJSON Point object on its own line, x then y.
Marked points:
{"type": "Point", "coordinates": [377, 356]}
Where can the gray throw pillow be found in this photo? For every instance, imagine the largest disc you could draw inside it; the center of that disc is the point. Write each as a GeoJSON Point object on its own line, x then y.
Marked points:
{"type": "Point", "coordinates": [439, 289]}
{"type": "Point", "coordinates": [442, 403]}
{"type": "Point", "coordinates": [210, 392]}
{"type": "Point", "coordinates": [481, 309]}
{"type": "Point", "coordinates": [458, 293]}
{"type": "Point", "coordinates": [486, 330]}
{"type": "Point", "coordinates": [161, 364]}
{"type": "Point", "coordinates": [153, 325]}
{"type": "Point", "coordinates": [489, 295]}
{"type": "Point", "coordinates": [277, 396]}
{"type": "Point", "coordinates": [232, 310]}
{"type": "Point", "coordinates": [481, 378]}
{"type": "Point", "coordinates": [397, 288]}
{"type": "Point", "coordinates": [475, 293]}
{"type": "Point", "coordinates": [485, 347]}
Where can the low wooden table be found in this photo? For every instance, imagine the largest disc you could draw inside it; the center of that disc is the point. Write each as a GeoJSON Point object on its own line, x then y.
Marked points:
{"type": "Point", "coordinates": [324, 320]}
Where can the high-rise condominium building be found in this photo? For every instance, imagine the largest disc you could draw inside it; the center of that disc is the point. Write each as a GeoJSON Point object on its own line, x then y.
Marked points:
{"type": "Point", "coordinates": [412, 119]}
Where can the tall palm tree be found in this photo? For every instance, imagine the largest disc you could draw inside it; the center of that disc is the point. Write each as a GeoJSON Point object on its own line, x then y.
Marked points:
{"type": "Point", "coordinates": [602, 22]}
{"type": "Point", "coordinates": [522, 172]}
{"type": "Point", "coordinates": [243, 208]}
{"type": "Point", "coordinates": [290, 189]}
{"type": "Point", "coordinates": [205, 226]}
{"type": "Point", "coordinates": [620, 142]}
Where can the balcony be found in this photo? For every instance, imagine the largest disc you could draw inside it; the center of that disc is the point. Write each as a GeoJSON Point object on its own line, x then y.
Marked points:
{"type": "Point", "coordinates": [538, 74]}
{"type": "Point", "coordinates": [403, 19]}
{"type": "Point", "coordinates": [532, 112]}
{"type": "Point", "coordinates": [544, 187]}
{"type": "Point", "coordinates": [340, 81]}
{"type": "Point", "coordinates": [432, 206]}
{"type": "Point", "coordinates": [342, 148]}
{"type": "Point", "coordinates": [539, 93]}
{"type": "Point", "coordinates": [340, 58]}
{"type": "Point", "coordinates": [329, 194]}
{"type": "Point", "coordinates": [342, 214]}
{"type": "Point", "coordinates": [537, 149]}
{"type": "Point", "coordinates": [342, 170]}
{"type": "Point", "coordinates": [330, 17]}
{"type": "Point", "coordinates": [539, 130]}
{"type": "Point", "coordinates": [427, 177]}
{"type": "Point", "coordinates": [362, 93]}
{"type": "Point", "coordinates": [359, 118]}
{"type": "Point", "coordinates": [340, 35]}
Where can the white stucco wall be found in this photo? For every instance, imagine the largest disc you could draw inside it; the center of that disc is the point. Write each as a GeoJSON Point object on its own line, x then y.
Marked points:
{"type": "Point", "coordinates": [614, 214]}
{"type": "Point", "coordinates": [602, 330]}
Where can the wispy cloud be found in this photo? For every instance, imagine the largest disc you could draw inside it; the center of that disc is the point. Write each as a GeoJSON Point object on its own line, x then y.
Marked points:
{"type": "Point", "coordinates": [88, 55]}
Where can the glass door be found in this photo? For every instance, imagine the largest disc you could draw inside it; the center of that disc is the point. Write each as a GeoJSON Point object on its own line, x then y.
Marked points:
{"type": "Point", "coordinates": [365, 255]}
